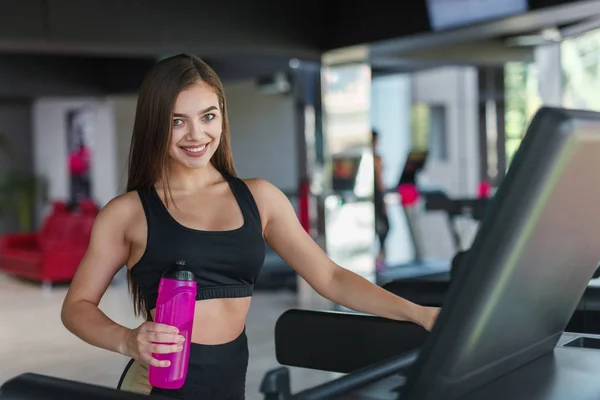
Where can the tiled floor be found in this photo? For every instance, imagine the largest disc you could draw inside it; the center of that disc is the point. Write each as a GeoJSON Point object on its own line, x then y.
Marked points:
{"type": "Point", "coordinates": [33, 339]}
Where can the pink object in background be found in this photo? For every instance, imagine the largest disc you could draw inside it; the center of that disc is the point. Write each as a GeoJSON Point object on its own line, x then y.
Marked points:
{"type": "Point", "coordinates": [485, 190]}
{"type": "Point", "coordinates": [409, 194]}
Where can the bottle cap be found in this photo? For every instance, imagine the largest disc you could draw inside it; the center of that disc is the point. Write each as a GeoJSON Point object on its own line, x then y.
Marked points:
{"type": "Point", "coordinates": [179, 272]}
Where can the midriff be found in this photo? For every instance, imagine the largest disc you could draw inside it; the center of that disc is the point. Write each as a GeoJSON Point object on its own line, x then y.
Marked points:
{"type": "Point", "coordinates": [218, 321]}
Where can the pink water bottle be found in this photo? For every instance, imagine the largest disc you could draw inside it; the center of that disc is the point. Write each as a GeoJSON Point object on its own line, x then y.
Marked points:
{"type": "Point", "coordinates": [175, 306]}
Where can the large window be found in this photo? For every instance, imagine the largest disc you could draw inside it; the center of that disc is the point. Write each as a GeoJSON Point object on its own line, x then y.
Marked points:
{"type": "Point", "coordinates": [580, 64]}
{"type": "Point", "coordinates": [580, 60]}
{"type": "Point", "coordinates": [522, 100]}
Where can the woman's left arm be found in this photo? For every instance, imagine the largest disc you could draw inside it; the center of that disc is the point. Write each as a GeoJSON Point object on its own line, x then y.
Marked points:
{"type": "Point", "coordinates": [285, 235]}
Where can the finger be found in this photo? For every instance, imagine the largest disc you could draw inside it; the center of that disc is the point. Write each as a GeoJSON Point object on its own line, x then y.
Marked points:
{"type": "Point", "coordinates": [157, 327]}
{"type": "Point", "coordinates": [159, 337]}
{"type": "Point", "coordinates": [157, 363]}
{"type": "Point", "coordinates": [166, 348]}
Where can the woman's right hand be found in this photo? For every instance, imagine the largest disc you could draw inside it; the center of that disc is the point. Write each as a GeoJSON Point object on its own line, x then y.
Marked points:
{"type": "Point", "coordinates": [429, 316]}
{"type": "Point", "coordinates": [151, 337]}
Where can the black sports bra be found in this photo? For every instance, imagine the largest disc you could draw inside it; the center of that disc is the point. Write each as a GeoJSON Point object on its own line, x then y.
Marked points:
{"type": "Point", "coordinates": [225, 263]}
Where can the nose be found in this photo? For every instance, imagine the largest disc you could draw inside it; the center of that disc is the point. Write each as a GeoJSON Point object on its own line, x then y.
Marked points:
{"type": "Point", "coordinates": [195, 133]}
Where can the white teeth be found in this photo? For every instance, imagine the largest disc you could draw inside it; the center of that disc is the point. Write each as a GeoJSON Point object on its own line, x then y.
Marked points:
{"type": "Point", "coordinates": [195, 149]}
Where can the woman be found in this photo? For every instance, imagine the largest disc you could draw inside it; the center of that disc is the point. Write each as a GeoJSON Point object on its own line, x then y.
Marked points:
{"type": "Point", "coordinates": [184, 201]}
{"type": "Point", "coordinates": [382, 223]}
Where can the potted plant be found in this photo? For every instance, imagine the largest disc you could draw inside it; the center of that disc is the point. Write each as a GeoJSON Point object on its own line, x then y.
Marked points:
{"type": "Point", "coordinates": [20, 192]}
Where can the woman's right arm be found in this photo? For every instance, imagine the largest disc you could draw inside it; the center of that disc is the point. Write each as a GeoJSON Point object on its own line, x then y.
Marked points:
{"type": "Point", "coordinates": [108, 252]}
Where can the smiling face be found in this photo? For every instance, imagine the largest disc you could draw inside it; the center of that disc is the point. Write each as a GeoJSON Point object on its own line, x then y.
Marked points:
{"type": "Point", "coordinates": [196, 127]}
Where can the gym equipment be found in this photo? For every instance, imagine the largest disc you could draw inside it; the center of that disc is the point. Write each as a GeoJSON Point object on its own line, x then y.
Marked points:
{"type": "Point", "coordinates": [415, 162]}
{"type": "Point", "coordinates": [328, 341]}
{"type": "Point", "coordinates": [409, 198]}
{"type": "Point", "coordinates": [434, 200]}
{"type": "Point", "coordinates": [500, 334]}
{"type": "Point", "coordinates": [175, 306]}
{"type": "Point", "coordinates": [40, 387]}
{"type": "Point", "coordinates": [453, 208]}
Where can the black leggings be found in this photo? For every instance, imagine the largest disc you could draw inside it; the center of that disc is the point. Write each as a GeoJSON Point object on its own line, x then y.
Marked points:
{"type": "Point", "coordinates": [215, 372]}
{"type": "Point", "coordinates": [382, 224]}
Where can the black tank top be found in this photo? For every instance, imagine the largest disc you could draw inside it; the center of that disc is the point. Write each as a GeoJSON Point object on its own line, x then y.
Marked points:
{"type": "Point", "coordinates": [225, 263]}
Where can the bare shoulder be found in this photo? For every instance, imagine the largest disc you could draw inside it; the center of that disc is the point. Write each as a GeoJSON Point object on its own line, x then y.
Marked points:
{"type": "Point", "coordinates": [121, 210]}
{"type": "Point", "coordinates": [262, 189]}
{"type": "Point", "coordinates": [269, 198]}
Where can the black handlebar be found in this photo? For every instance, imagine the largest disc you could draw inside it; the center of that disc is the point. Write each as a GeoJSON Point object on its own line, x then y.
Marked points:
{"type": "Point", "coordinates": [358, 379]}
{"type": "Point", "coordinates": [40, 387]}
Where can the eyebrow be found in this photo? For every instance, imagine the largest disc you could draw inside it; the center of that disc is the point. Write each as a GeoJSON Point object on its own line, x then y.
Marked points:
{"type": "Point", "coordinates": [200, 112]}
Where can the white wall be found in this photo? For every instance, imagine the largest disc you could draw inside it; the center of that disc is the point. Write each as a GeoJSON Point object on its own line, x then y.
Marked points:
{"type": "Point", "coordinates": [105, 185]}
{"type": "Point", "coordinates": [457, 89]}
{"type": "Point", "coordinates": [50, 147]}
{"type": "Point", "coordinates": [263, 137]}
{"type": "Point", "coordinates": [124, 117]}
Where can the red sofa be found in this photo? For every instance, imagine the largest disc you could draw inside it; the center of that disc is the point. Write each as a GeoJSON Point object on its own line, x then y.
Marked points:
{"type": "Point", "coordinates": [53, 254]}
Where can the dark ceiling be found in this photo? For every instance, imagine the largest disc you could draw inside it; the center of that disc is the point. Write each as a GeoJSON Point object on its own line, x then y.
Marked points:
{"type": "Point", "coordinates": [107, 45]}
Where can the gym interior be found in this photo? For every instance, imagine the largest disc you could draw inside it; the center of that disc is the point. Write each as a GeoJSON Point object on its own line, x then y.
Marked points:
{"type": "Point", "coordinates": [485, 115]}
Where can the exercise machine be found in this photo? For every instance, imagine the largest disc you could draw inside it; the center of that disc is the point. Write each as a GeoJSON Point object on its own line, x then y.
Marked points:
{"type": "Point", "coordinates": [436, 200]}
{"type": "Point", "coordinates": [433, 200]}
{"type": "Point", "coordinates": [41, 387]}
{"type": "Point", "coordinates": [474, 208]}
{"type": "Point", "coordinates": [501, 333]}
{"type": "Point", "coordinates": [409, 196]}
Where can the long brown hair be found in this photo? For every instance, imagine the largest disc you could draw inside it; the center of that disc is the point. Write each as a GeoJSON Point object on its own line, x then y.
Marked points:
{"type": "Point", "coordinates": [149, 150]}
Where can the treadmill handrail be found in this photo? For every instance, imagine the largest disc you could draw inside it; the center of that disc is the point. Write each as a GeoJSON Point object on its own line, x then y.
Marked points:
{"type": "Point", "coordinates": [359, 378]}
{"type": "Point", "coordinates": [32, 386]}
{"type": "Point", "coordinates": [344, 342]}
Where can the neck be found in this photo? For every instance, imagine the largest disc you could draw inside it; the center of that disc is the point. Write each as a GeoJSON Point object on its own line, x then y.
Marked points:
{"type": "Point", "coordinates": [182, 178]}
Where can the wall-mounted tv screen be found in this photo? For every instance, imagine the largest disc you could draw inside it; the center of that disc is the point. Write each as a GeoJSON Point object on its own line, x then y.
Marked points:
{"type": "Point", "coordinates": [446, 14]}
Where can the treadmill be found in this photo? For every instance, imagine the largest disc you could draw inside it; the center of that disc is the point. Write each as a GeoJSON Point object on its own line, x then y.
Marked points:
{"type": "Point", "coordinates": [418, 266]}
{"type": "Point", "coordinates": [434, 200]}
{"type": "Point", "coordinates": [501, 333]}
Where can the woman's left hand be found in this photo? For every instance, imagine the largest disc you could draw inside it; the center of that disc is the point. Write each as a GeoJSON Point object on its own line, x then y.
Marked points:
{"type": "Point", "coordinates": [429, 316]}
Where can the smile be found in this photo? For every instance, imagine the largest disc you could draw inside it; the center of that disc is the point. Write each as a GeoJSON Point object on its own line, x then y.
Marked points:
{"type": "Point", "coordinates": [195, 149]}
